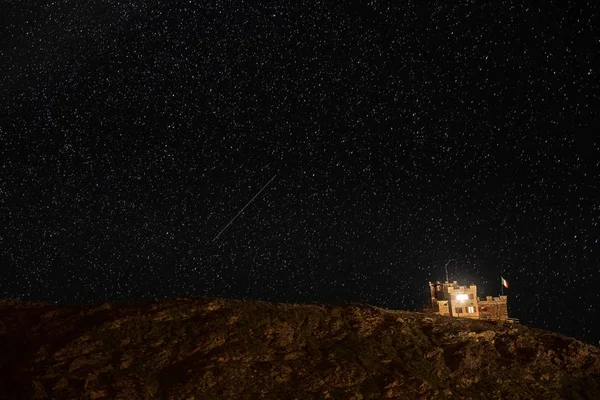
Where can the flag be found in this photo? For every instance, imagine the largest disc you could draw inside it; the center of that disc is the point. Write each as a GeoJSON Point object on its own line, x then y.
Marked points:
{"type": "Point", "coordinates": [504, 282]}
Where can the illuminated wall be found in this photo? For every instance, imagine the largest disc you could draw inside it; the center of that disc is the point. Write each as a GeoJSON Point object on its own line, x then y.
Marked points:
{"type": "Point", "coordinates": [450, 298]}
{"type": "Point", "coordinates": [494, 308]}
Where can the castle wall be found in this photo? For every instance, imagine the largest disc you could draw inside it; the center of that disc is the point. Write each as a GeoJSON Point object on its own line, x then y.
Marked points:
{"type": "Point", "coordinates": [462, 301]}
{"type": "Point", "coordinates": [443, 307]}
{"type": "Point", "coordinates": [494, 308]}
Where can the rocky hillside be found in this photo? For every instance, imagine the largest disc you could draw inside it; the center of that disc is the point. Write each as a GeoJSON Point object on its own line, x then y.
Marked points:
{"type": "Point", "coordinates": [226, 349]}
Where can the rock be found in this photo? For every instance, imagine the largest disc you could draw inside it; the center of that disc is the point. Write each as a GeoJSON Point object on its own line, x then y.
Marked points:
{"type": "Point", "coordinates": [197, 348]}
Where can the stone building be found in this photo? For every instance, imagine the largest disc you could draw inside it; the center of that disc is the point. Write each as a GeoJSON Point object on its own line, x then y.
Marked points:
{"type": "Point", "coordinates": [454, 300]}
{"type": "Point", "coordinates": [493, 308]}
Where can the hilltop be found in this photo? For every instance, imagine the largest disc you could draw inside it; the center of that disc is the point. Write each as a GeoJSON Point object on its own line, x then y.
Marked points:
{"type": "Point", "coordinates": [227, 349]}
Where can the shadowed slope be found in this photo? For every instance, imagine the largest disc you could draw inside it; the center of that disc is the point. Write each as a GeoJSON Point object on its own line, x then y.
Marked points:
{"type": "Point", "coordinates": [214, 348]}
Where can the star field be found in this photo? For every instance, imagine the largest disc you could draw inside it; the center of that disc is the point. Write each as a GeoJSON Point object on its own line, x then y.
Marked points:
{"type": "Point", "coordinates": [401, 137]}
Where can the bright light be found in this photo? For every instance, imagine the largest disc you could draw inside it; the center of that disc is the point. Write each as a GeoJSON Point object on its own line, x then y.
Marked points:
{"type": "Point", "coordinates": [462, 297]}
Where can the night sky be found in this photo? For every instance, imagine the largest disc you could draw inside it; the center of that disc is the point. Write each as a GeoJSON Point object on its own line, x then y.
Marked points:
{"type": "Point", "coordinates": [400, 137]}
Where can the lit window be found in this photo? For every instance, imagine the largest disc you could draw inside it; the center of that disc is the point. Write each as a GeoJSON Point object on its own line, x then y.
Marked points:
{"type": "Point", "coordinates": [471, 310]}
{"type": "Point", "coordinates": [462, 297]}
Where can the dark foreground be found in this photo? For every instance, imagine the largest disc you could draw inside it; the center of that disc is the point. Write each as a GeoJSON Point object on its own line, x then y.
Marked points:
{"type": "Point", "coordinates": [226, 349]}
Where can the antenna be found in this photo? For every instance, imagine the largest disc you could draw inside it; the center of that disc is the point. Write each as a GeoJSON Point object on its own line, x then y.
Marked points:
{"type": "Point", "coordinates": [446, 268]}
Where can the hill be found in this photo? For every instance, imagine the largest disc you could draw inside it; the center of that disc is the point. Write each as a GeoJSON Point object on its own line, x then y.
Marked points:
{"type": "Point", "coordinates": [228, 349]}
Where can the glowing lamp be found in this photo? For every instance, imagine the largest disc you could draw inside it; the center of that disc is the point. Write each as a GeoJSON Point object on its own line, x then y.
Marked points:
{"type": "Point", "coordinates": [462, 297]}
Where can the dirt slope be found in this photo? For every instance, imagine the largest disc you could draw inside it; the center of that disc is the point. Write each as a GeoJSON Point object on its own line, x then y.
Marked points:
{"type": "Point", "coordinates": [226, 349]}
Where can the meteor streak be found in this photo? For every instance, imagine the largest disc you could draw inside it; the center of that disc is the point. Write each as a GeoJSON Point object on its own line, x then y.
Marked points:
{"type": "Point", "coordinates": [242, 210]}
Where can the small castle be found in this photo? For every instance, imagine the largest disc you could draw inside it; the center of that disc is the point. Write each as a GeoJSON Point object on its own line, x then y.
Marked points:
{"type": "Point", "coordinates": [454, 300]}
